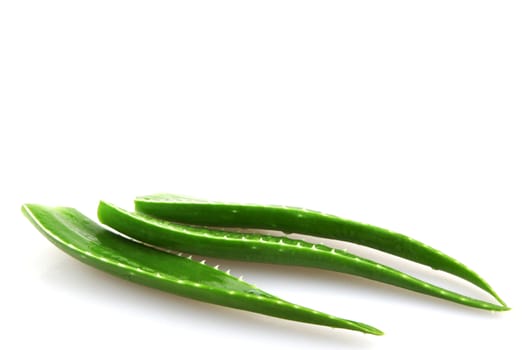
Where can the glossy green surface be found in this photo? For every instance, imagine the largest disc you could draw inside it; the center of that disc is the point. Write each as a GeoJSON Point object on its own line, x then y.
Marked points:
{"type": "Point", "coordinates": [90, 243]}
{"type": "Point", "coordinates": [296, 220]}
{"type": "Point", "coordinates": [264, 248]}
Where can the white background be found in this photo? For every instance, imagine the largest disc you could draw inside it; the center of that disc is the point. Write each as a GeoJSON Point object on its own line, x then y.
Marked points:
{"type": "Point", "coordinates": [410, 115]}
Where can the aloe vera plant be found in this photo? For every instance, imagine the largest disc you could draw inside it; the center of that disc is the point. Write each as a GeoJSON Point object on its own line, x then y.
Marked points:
{"type": "Point", "coordinates": [269, 249]}
{"type": "Point", "coordinates": [297, 220]}
{"type": "Point", "coordinates": [92, 244]}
